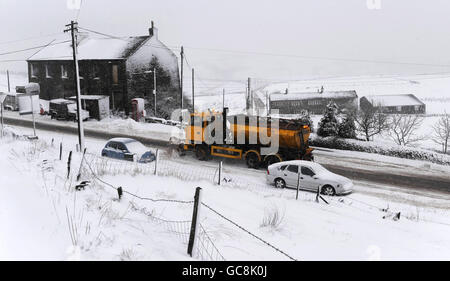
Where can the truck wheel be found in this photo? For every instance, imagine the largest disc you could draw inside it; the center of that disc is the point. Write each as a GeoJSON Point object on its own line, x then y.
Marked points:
{"type": "Point", "coordinates": [252, 160]}
{"type": "Point", "coordinates": [272, 159]}
{"type": "Point", "coordinates": [180, 150]}
{"type": "Point", "coordinates": [201, 152]}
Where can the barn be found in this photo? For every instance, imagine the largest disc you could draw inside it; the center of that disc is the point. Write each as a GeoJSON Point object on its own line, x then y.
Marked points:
{"type": "Point", "coordinates": [312, 102]}
{"type": "Point", "coordinates": [394, 104]}
{"type": "Point", "coordinates": [117, 67]}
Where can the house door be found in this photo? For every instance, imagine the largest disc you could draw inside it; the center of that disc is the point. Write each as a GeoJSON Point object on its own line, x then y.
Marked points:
{"type": "Point", "coordinates": [116, 100]}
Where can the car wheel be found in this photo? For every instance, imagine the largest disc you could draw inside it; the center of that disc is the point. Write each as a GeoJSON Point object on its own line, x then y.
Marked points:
{"type": "Point", "coordinates": [328, 190]}
{"type": "Point", "coordinates": [280, 183]}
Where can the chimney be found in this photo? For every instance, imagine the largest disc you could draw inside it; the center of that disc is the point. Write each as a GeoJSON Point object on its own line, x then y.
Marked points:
{"type": "Point", "coordinates": [321, 90]}
{"type": "Point", "coordinates": [153, 31]}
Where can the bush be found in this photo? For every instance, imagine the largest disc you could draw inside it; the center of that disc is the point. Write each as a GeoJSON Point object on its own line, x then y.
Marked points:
{"type": "Point", "coordinates": [272, 218]}
{"type": "Point", "coordinates": [395, 151]}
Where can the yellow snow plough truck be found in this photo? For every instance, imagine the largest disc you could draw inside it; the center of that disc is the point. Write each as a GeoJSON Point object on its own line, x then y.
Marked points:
{"type": "Point", "coordinates": [237, 139]}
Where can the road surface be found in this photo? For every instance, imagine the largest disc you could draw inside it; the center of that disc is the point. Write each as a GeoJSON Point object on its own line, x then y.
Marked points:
{"type": "Point", "coordinates": [366, 170]}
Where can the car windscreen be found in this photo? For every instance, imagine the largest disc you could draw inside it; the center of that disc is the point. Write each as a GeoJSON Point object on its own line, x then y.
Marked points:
{"type": "Point", "coordinates": [318, 169]}
{"type": "Point", "coordinates": [136, 147]}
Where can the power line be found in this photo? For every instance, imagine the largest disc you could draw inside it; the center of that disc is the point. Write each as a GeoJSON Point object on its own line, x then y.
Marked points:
{"type": "Point", "coordinates": [315, 57]}
{"type": "Point", "coordinates": [32, 48]}
{"type": "Point", "coordinates": [30, 38]}
{"type": "Point", "coordinates": [123, 39]}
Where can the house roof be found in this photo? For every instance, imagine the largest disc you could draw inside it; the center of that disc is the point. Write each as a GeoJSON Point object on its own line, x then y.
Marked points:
{"type": "Point", "coordinates": [91, 48]}
{"type": "Point", "coordinates": [394, 100]}
{"type": "Point", "coordinates": [313, 95]}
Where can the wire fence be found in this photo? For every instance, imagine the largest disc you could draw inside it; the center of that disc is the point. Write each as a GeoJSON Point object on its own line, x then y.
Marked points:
{"type": "Point", "coordinates": [98, 166]}
{"type": "Point", "coordinates": [205, 247]}
{"type": "Point", "coordinates": [249, 232]}
{"type": "Point", "coordinates": [206, 250]}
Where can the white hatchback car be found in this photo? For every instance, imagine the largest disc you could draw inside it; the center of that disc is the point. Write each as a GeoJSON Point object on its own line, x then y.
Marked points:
{"type": "Point", "coordinates": [309, 176]}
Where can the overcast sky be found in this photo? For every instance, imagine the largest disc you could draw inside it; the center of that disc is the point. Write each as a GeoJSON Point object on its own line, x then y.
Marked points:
{"type": "Point", "coordinates": [411, 31]}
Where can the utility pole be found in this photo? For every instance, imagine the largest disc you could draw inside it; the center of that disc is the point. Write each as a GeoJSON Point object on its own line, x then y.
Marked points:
{"type": "Point", "coordinates": [249, 101]}
{"type": "Point", "coordinates": [193, 93]}
{"type": "Point", "coordinates": [223, 98]}
{"type": "Point", "coordinates": [154, 86]}
{"type": "Point", "coordinates": [7, 76]}
{"type": "Point", "coordinates": [72, 27]}
{"type": "Point", "coordinates": [181, 78]}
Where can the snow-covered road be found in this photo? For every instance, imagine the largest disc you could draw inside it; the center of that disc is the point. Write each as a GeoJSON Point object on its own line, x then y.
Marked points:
{"type": "Point", "coordinates": [367, 167]}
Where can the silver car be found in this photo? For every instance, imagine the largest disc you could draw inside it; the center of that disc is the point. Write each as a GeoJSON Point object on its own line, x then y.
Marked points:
{"type": "Point", "coordinates": [309, 176]}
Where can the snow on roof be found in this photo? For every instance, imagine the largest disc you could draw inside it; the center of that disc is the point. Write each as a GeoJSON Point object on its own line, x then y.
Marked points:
{"type": "Point", "coordinates": [90, 97]}
{"type": "Point", "coordinates": [313, 95]}
{"type": "Point", "coordinates": [90, 48]}
{"type": "Point", "coordinates": [394, 100]}
{"type": "Point", "coordinates": [123, 140]}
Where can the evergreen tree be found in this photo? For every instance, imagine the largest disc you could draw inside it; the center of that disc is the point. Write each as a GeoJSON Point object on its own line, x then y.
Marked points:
{"type": "Point", "coordinates": [328, 125]}
{"type": "Point", "coordinates": [347, 128]}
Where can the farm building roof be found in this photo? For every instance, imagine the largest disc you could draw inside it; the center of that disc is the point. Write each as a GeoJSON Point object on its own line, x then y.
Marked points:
{"type": "Point", "coordinates": [91, 48]}
{"type": "Point", "coordinates": [313, 95]}
{"type": "Point", "coordinates": [394, 100]}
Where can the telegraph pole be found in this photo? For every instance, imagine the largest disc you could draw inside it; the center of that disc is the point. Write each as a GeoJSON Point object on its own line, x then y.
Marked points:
{"type": "Point", "coordinates": [223, 98]}
{"type": "Point", "coordinates": [154, 86]}
{"type": "Point", "coordinates": [7, 76]}
{"type": "Point", "coordinates": [72, 27]}
{"type": "Point", "coordinates": [181, 78]}
{"type": "Point", "coordinates": [249, 100]}
{"type": "Point", "coordinates": [193, 93]}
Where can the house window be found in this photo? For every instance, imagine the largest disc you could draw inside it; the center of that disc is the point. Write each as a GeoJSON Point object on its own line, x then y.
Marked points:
{"type": "Point", "coordinates": [115, 74]}
{"type": "Point", "coordinates": [64, 72]}
{"type": "Point", "coordinates": [34, 70]}
{"type": "Point", "coordinates": [416, 107]}
{"type": "Point", "coordinates": [47, 71]}
{"type": "Point", "coordinates": [95, 72]}
{"type": "Point", "coordinates": [399, 108]}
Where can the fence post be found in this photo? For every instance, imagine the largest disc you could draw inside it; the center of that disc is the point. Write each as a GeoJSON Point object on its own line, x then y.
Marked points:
{"type": "Point", "coordinates": [81, 165]}
{"type": "Point", "coordinates": [68, 164]}
{"type": "Point", "coordinates": [60, 151]}
{"type": "Point", "coordinates": [220, 172]}
{"type": "Point", "coordinates": [156, 162]}
{"type": "Point", "coordinates": [195, 221]}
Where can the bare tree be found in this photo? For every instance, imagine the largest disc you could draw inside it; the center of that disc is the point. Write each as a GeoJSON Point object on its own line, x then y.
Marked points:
{"type": "Point", "coordinates": [370, 122]}
{"type": "Point", "coordinates": [442, 132]}
{"type": "Point", "coordinates": [403, 128]}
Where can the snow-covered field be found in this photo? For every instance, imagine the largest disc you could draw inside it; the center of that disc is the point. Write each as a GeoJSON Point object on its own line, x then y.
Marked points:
{"type": "Point", "coordinates": [432, 89]}
{"type": "Point", "coordinates": [37, 201]}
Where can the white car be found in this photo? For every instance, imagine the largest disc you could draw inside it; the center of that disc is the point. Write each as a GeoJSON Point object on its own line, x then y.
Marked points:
{"type": "Point", "coordinates": [309, 176]}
